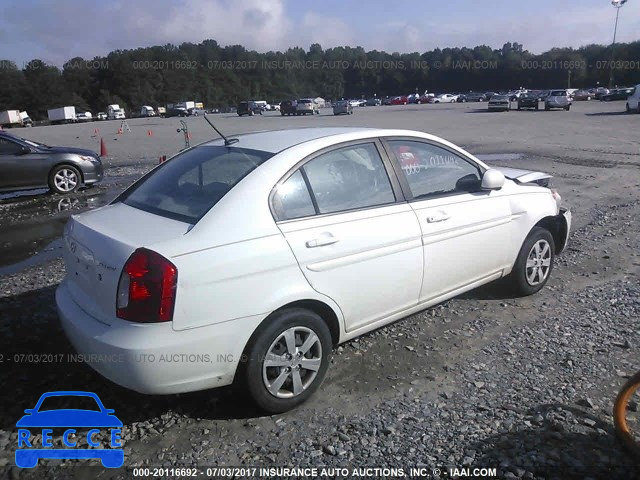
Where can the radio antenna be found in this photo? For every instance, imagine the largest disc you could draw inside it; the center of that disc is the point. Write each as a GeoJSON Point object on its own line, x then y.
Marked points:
{"type": "Point", "coordinates": [227, 141]}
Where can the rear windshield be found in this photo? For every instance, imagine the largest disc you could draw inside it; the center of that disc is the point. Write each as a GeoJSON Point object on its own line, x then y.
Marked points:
{"type": "Point", "coordinates": [190, 184]}
{"type": "Point", "coordinates": [558, 93]}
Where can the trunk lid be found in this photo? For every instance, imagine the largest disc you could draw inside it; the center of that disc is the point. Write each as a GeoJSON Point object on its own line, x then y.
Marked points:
{"type": "Point", "coordinates": [98, 243]}
{"type": "Point", "coordinates": [525, 176]}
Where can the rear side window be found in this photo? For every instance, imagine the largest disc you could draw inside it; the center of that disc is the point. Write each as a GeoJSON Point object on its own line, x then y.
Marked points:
{"type": "Point", "coordinates": [292, 200]}
{"type": "Point", "coordinates": [348, 178]}
{"type": "Point", "coordinates": [189, 185]}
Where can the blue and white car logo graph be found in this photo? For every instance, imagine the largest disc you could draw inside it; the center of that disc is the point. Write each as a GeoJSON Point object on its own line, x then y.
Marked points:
{"type": "Point", "coordinates": [40, 421]}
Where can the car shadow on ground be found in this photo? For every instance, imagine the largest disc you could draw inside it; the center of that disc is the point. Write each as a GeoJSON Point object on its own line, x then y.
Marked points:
{"type": "Point", "coordinates": [486, 110]}
{"type": "Point", "coordinates": [606, 114]}
{"type": "Point", "coordinates": [497, 290]}
{"type": "Point", "coordinates": [548, 450]}
{"type": "Point", "coordinates": [38, 358]}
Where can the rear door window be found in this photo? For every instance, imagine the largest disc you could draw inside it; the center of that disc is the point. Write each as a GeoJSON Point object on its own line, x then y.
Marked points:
{"type": "Point", "coordinates": [349, 178]}
{"type": "Point", "coordinates": [189, 185]}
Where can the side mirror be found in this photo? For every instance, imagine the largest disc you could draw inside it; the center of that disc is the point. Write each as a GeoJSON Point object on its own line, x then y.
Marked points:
{"type": "Point", "coordinates": [492, 179]}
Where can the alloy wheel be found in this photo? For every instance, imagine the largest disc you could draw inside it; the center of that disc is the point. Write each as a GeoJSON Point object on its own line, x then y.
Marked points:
{"type": "Point", "coordinates": [65, 180]}
{"type": "Point", "coordinates": [292, 362]}
{"type": "Point", "coordinates": [538, 263]}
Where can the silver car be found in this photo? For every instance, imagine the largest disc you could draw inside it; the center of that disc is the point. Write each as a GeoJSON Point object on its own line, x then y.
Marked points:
{"type": "Point", "coordinates": [307, 105]}
{"type": "Point", "coordinates": [342, 106]}
{"type": "Point", "coordinates": [557, 99]}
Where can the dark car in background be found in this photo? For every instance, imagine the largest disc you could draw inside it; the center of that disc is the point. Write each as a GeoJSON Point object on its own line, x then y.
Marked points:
{"type": "Point", "coordinates": [499, 103]}
{"type": "Point", "coordinates": [582, 95]}
{"type": "Point", "coordinates": [25, 164]}
{"type": "Point", "coordinates": [176, 112]}
{"type": "Point", "coordinates": [528, 100]}
{"type": "Point", "coordinates": [288, 107]}
{"type": "Point", "coordinates": [373, 102]}
{"type": "Point", "coordinates": [248, 108]}
{"type": "Point", "coordinates": [600, 92]}
{"type": "Point", "coordinates": [473, 97]}
{"type": "Point", "coordinates": [617, 94]}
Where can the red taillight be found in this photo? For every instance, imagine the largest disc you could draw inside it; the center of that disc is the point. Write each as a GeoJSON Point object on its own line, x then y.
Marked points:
{"type": "Point", "coordinates": [147, 288]}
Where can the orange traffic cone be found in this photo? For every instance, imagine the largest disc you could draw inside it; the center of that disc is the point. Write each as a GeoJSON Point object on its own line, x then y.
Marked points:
{"type": "Point", "coordinates": [96, 131]}
{"type": "Point", "coordinates": [149, 133]}
{"type": "Point", "coordinates": [103, 148]}
{"type": "Point", "coordinates": [162, 159]}
{"type": "Point", "coordinates": [119, 131]}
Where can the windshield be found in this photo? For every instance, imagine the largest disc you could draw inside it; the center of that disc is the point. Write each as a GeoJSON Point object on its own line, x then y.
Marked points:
{"type": "Point", "coordinates": [189, 185]}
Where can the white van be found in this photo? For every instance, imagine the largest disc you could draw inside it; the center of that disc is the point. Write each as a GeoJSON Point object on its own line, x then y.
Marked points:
{"type": "Point", "coordinates": [633, 101]}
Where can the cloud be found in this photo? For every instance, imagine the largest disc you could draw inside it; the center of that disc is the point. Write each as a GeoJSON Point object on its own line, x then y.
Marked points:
{"type": "Point", "coordinates": [56, 32]}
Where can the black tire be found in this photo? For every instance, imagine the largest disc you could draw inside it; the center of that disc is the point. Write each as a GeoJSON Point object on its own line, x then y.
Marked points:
{"type": "Point", "coordinates": [568, 108]}
{"type": "Point", "coordinates": [282, 114]}
{"type": "Point", "coordinates": [249, 377]}
{"type": "Point", "coordinates": [628, 108]}
{"type": "Point", "coordinates": [71, 173]}
{"type": "Point", "coordinates": [520, 283]}
{"type": "Point", "coordinates": [251, 113]}
{"type": "Point", "coordinates": [546, 108]}
{"type": "Point", "coordinates": [537, 108]}
{"type": "Point", "coordinates": [519, 108]}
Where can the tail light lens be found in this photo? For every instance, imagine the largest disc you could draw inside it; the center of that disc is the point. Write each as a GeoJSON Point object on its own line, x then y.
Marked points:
{"type": "Point", "coordinates": [147, 288]}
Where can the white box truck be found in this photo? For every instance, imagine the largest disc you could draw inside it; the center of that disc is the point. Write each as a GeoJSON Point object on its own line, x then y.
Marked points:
{"type": "Point", "coordinates": [114, 112]}
{"type": "Point", "coordinates": [25, 119]}
{"type": "Point", "coordinates": [62, 115]}
{"type": "Point", "coordinates": [10, 118]}
{"type": "Point", "coordinates": [147, 111]}
{"type": "Point", "coordinates": [186, 105]}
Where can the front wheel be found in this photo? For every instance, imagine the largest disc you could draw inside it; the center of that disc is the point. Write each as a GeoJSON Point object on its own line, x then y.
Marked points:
{"type": "Point", "coordinates": [628, 108]}
{"type": "Point", "coordinates": [64, 179]}
{"type": "Point", "coordinates": [534, 263]}
{"type": "Point", "coordinates": [286, 360]}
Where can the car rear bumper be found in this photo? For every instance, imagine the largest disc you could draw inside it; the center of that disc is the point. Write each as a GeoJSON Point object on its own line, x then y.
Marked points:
{"type": "Point", "coordinates": [154, 358]}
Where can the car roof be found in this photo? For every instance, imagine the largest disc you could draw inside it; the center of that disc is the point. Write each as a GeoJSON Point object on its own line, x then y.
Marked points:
{"type": "Point", "coordinates": [275, 141]}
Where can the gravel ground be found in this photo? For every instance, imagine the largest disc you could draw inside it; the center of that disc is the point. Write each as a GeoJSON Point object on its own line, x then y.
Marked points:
{"type": "Point", "coordinates": [523, 385]}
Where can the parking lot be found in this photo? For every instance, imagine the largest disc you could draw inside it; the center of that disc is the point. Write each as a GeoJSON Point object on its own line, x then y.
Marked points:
{"type": "Point", "coordinates": [525, 385]}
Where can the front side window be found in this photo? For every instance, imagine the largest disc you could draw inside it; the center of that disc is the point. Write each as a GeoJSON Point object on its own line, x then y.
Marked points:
{"type": "Point", "coordinates": [349, 178]}
{"type": "Point", "coordinates": [189, 185]}
{"type": "Point", "coordinates": [433, 171]}
{"type": "Point", "coordinates": [7, 147]}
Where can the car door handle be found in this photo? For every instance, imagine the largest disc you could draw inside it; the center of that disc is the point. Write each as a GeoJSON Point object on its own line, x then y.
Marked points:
{"type": "Point", "coordinates": [323, 240]}
{"type": "Point", "coordinates": [438, 218]}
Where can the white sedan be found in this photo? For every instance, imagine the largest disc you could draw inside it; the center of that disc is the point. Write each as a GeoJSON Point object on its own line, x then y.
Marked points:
{"type": "Point", "coordinates": [245, 261]}
{"type": "Point", "coordinates": [446, 98]}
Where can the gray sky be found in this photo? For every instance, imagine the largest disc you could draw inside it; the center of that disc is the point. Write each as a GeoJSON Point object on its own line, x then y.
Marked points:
{"type": "Point", "coordinates": [57, 31]}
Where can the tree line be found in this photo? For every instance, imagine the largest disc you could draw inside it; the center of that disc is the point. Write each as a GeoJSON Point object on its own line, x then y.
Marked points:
{"type": "Point", "coordinates": [221, 76]}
